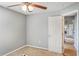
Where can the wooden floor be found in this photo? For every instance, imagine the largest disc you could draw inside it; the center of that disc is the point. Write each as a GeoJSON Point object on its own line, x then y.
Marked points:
{"type": "Point", "coordinates": [69, 49]}
{"type": "Point", "coordinates": [30, 51]}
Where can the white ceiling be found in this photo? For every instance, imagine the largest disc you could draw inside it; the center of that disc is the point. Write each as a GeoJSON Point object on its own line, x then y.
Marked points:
{"type": "Point", "coordinates": [51, 6]}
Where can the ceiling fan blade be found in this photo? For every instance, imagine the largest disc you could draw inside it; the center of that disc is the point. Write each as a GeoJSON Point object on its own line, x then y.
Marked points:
{"type": "Point", "coordinates": [15, 5]}
{"type": "Point", "coordinates": [39, 6]}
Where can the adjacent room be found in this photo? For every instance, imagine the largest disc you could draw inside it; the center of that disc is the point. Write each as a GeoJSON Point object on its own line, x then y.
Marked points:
{"type": "Point", "coordinates": [39, 28]}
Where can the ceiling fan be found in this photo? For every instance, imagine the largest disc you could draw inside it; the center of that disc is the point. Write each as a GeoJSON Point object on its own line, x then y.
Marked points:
{"type": "Point", "coordinates": [29, 6]}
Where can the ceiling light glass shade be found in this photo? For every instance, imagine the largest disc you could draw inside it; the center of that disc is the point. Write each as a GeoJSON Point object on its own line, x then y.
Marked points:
{"type": "Point", "coordinates": [27, 8]}
{"type": "Point", "coordinates": [30, 8]}
{"type": "Point", "coordinates": [24, 7]}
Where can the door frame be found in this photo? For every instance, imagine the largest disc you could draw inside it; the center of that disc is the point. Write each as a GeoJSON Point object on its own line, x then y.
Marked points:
{"type": "Point", "coordinates": [67, 14]}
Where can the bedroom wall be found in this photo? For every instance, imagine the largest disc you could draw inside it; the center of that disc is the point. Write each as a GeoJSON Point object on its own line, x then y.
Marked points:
{"type": "Point", "coordinates": [36, 30]}
{"type": "Point", "coordinates": [12, 30]}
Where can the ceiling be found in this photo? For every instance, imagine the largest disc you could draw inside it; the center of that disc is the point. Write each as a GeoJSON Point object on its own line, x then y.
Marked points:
{"type": "Point", "coordinates": [51, 6]}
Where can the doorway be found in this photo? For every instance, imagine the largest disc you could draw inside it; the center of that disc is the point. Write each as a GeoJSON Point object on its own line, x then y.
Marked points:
{"type": "Point", "coordinates": [70, 36]}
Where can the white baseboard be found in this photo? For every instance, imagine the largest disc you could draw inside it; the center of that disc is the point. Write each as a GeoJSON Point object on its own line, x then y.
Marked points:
{"type": "Point", "coordinates": [43, 48]}
{"type": "Point", "coordinates": [14, 50]}
{"type": "Point", "coordinates": [23, 47]}
{"type": "Point", "coordinates": [37, 47]}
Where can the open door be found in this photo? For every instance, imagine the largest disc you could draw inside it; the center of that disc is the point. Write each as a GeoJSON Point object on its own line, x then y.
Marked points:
{"type": "Point", "coordinates": [55, 34]}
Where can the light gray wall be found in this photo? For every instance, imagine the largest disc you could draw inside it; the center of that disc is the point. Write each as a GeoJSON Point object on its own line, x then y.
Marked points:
{"type": "Point", "coordinates": [36, 26]}
{"type": "Point", "coordinates": [12, 30]}
{"type": "Point", "coordinates": [36, 30]}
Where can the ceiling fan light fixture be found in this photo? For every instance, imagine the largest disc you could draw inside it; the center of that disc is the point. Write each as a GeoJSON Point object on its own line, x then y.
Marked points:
{"type": "Point", "coordinates": [30, 8]}
{"type": "Point", "coordinates": [24, 7]}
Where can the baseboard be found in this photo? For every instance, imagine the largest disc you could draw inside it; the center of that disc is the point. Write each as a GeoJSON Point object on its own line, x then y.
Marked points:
{"type": "Point", "coordinates": [43, 48]}
{"type": "Point", "coordinates": [37, 47]}
{"type": "Point", "coordinates": [14, 50]}
{"type": "Point", "coordinates": [23, 47]}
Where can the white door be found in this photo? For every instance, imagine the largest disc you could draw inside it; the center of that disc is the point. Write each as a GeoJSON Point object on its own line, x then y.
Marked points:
{"type": "Point", "coordinates": [55, 34]}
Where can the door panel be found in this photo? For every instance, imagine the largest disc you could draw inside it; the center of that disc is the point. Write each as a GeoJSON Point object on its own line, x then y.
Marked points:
{"type": "Point", "coordinates": [55, 34]}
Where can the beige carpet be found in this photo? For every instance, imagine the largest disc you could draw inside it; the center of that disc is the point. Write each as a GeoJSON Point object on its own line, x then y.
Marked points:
{"type": "Point", "coordinates": [30, 51]}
